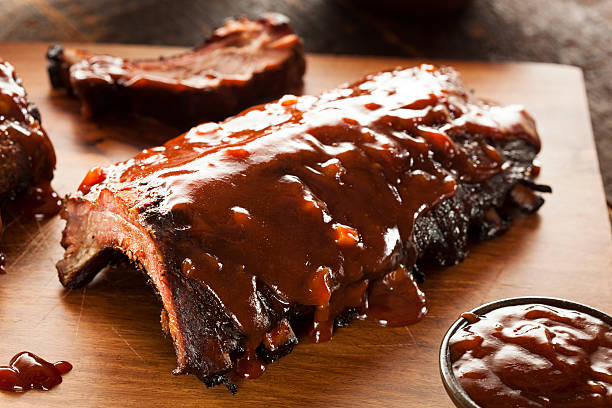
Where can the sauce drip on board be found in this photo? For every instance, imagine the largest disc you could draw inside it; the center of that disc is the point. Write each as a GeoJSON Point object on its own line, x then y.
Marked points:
{"type": "Point", "coordinates": [2, 263]}
{"type": "Point", "coordinates": [396, 291]}
{"type": "Point", "coordinates": [534, 356]}
{"type": "Point", "coordinates": [38, 202]}
{"type": "Point", "coordinates": [27, 371]}
{"type": "Point", "coordinates": [250, 366]}
{"type": "Point", "coordinates": [2, 256]}
{"type": "Point", "coordinates": [315, 198]}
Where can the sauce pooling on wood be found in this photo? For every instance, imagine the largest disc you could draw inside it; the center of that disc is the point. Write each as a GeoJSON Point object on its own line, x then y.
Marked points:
{"type": "Point", "coordinates": [534, 356]}
{"type": "Point", "coordinates": [314, 199]}
{"type": "Point", "coordinates": [27, 371]}
{"type": "Point", "coordinates": [37, 202]}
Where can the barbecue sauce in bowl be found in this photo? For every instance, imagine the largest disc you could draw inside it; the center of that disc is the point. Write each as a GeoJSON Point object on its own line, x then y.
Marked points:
{"type": "Point", "coordinates": [534, 355]}
{"type": "Point", "coordinates": [27, 371]}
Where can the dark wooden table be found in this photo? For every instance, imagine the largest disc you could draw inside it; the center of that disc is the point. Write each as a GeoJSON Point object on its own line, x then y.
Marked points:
{"type": "Point", "coordinates": [575, 32]}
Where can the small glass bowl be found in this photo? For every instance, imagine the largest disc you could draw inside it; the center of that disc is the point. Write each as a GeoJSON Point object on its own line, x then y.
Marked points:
{"type": "Point", "coordinates": [454, 390]}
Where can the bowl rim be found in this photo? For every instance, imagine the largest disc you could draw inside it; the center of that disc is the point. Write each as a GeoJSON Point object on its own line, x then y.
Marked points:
{"type": "Point", "coordinates": [454, 390]}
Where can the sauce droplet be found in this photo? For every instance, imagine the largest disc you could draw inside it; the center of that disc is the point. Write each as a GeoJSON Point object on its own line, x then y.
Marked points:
{"type": "Point", "coordinates": [396, 300]}
{"type": "Point", "coordinates": [470, 317]}
{"type": "Point", "coordinates": [2, 263]}
{"type": "Point", "coordinates": [27, 371]}
{"type": "Point", "coordinates": [93, 177]}
{"type": "Point", "coordinates": [249, 365]}
{"type": "Point", "coordinates": [39, 202]}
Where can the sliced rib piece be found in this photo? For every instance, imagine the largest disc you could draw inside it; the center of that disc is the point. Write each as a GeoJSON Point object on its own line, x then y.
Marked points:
{"type": "Point", "coordinates": [27, 158]}
{"type": "Point", "coordinates": [306, 210]}
{"type": "Point", "coordinates": [244, 63]}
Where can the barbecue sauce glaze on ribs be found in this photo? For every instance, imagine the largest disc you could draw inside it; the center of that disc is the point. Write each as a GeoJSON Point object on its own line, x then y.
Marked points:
{"type": "Point", "coordinates": [308, 209]}
{"type": "Point", "coordinates": [244, 63]}
{"type": "Point", "coordinates": [27, 158]}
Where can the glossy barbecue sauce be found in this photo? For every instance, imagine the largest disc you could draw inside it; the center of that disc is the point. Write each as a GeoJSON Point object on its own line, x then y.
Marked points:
{"type": "Point", "coordinates": [38, 202]}
{"type": "Point", "coordinates": [2, 262]}
{"type": "Point", "coordinates": [18, 124]}
{"type": "Point", "coordinates": [534, 356]}
{"type": "Point", "coordinates": [316, 197]}
{"type": "Point", "coordinates": [2, 256]}
{"type": "Point", "coordinates": [27, 371]}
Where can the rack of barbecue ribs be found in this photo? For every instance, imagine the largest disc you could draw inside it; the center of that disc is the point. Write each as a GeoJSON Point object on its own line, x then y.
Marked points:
{"type": "Point", "coordinates": [308, 211]}
{"type": "Point", "coordinates": [27, 158]}
{"type": "Point", "coordinates": [244, 63]}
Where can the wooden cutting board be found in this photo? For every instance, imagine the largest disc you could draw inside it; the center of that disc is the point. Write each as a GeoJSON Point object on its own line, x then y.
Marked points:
{"type": "Point", "coordinates": [110, 330]}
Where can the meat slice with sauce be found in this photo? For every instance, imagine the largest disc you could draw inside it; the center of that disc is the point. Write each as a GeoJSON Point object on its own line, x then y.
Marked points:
{"type": "Point", "coordinates": [244, 63]}
{"type": "Point", "coordinates": [27, 158]}
{"type": "Point", "coordinates": [308, 211]}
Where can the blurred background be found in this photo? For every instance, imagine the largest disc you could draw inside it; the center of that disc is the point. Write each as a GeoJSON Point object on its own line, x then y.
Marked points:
{"type": "Point", "coordinates": [575, 32]}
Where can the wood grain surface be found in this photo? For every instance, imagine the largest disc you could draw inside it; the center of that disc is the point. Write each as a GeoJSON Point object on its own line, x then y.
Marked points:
{"type": "Point", "coordinates": [110, 330]}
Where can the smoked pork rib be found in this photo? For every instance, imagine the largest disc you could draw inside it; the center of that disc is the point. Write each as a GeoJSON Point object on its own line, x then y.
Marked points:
{"type": "Point", "coordinates": [309, 210]}
{"type": "Point", "coordinates": [27, 158]}
{"type": "Point", "coordinates": [244, 63]}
